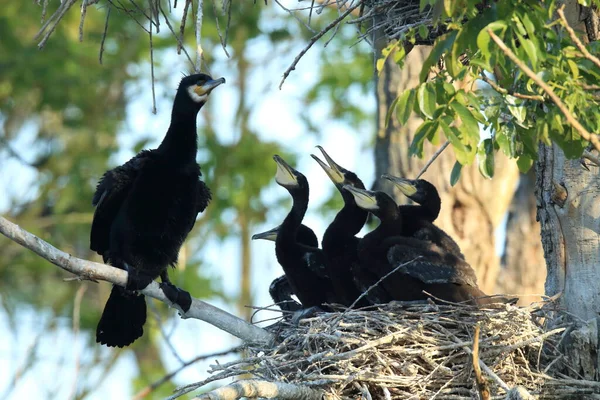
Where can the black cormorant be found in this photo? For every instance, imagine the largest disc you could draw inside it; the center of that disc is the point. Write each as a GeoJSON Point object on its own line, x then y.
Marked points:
{"type": "Point", "coordinates": [339, 241]}
{"type": "Point", "coordinates": [417, 220]}
{"type": "Point", "coordinates": [303, 265]}
{"type": "Point", "coordinates": [420, 265]}
{"type": "Point", "coordinates": [145, 208]}
{"type": "Point", "coordinates": [280, 290]}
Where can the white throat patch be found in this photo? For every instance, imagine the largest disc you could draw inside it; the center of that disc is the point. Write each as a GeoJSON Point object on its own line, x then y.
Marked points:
{"type": "Point", "coordinates": [195, 97]}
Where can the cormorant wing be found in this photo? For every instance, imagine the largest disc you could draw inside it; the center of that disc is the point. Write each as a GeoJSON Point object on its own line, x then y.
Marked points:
{"type": "Point", "coordinates": [204, 196]}
{"type": "Point", "coordinates": [110, 193]}
{"type": "Point", "coordinates": [315, 261]}
{"type": "Point", "coordinates": [431, 267]}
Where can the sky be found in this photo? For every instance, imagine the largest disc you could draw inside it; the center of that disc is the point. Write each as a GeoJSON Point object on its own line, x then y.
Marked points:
{"type": "Point", "coordinates": [276, 118]}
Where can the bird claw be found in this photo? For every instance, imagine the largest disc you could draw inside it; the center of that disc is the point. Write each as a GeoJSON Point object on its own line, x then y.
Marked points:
{"type": "Point", "coordinates": [306, 313]}
{"type": "Point", "coordinates": [137, 282]}
{"type": "Point", "coordinates": [177, 296]}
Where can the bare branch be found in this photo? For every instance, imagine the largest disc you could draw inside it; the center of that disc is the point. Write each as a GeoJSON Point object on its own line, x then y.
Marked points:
{"type": "Point", "coordinates": [591, 137]}
{"type": "Point", "coordinates": [92, 270]}
{"type": "Point", "coordinates": [182, 24]}
{"type": "Point", "coordinates": [263, 389]}
{"type": "Point", "coordinates": [482, 386]}
{"type": "Point", "coordinates": [504, 91]}
{"type": "Point", "coordinates": [152, 68]}
{"type": "Point", "coordinates": [433, 158]}
{"type": "Point", "coordinates": [199, 51]}
{"type": "Point", "coordinates": [575, 39]}
{"type": "Point", "coordinates": [104, 36]}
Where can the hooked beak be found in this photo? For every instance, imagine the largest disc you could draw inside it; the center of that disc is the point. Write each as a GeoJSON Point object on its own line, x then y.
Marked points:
{"type": "Point", "coordinates": [285, 175]}
{"type": "Point", "coordinates": [268, 235]}
{"type": "Point", "coordinates": [208, 86]}
{"type": "Point", "coordinates": [408, 187]}
{"type": "Point", "coordinates": [333, 170]}
{"type": "Point", "coordinates": [365, 199]}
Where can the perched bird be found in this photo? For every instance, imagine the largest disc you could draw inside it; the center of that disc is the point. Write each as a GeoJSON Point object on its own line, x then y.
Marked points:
{"type": "Point", "coordinates": [280, 290]}
{"type": "Point", "coordinates": [340, 243]}
{"type": "Point", "coordinates": [402, 268]}
{"type": "Point", "coordinates": [145, 208]}
{"type": "Point", "coordinates": [418, 219]}
{"type": "Point", "coordinates": [303, 265]}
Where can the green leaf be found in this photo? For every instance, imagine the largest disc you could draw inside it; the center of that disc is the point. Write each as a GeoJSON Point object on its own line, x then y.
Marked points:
{"type": "Point", "coordinates": [426, 100]}
{"type": "Point", "coordinates": [385, 53]}
{"type": "Point", "coordinates": [423, 31]}
{"type": "Point", "coordinates": [484, 41]}
{"type": "Point", "coordinates": [426, 129]}
{"type": "Point", "coordinates": [485, 155]}
{"type": "Point", "coordinates": [469, 123]}
{"type": "Point", "coordinates": [524, 163]}
{"type": "Point", "coordinates": [405, 105]}
{"type": "Point", "coordinates": [462, 152]}
{"type": "Point", "coordinates": [390, 110]}
{"type": "Point", "coordinates": [455, 174]}
{"type": "Point", "coordinates": [442, 45]}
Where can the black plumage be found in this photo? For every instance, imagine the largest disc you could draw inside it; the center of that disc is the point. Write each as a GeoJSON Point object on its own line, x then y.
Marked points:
{"type": "Point", "coordinates": [303, 265]}
{"type": "Point", "coordinates": [340, 244]}
{"type": "Point", "coordinates": [145, 208]}
{"type": "Point", "coordinates": [417, 220]}
{"type": "Point", "coordinates": [280, 289]}
{"type": "Point", "coordinates": [403, 268]}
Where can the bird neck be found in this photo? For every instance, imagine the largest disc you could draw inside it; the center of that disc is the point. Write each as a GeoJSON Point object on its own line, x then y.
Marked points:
{"type": "Point", "coordinates": [431, 207]}
{"type": "Point", "coordinates": [180, 141]}
{"type": "Point", "coordinates": [290, 225]}
{"type": "Point", "coordinates": [347, 223]}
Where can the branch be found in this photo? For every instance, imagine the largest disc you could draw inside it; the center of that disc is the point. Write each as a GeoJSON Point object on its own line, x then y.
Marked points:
{"type": "Point", "coordinates": [590, 137]}
{"type": "Point", "coordinates": [199, 51]}
{"type": "Point", "coordinates": [505, 91]}
{"type": "Point", "coordinates": [436, 155]}
{"type": "Point", "coordinates": [482, 386]}
{"type": "Point", "coordinates": [263, 389]}
{"type": "Point", "coordinates": [96, 271]}
{"type": "Point", "coordinates": [575, 39]}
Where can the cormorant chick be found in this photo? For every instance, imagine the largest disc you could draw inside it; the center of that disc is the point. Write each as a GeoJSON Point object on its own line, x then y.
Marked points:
{"type": "Point", "coordinates": [303, 265]}
{"type": "Point", "coordinates": [280, 290]}
{"type": "Point", "coordinates": [145, 208]}
{"type": "Point", "coordinates": [406, 267]}
{"type": "Point", "coordinates": [340, 243]}
{"type": "Point", "coordinates": [417, 220]}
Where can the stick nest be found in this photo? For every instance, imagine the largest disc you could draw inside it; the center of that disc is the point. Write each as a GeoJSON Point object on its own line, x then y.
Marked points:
{"type": "Point", "coordinates": [399, 351]}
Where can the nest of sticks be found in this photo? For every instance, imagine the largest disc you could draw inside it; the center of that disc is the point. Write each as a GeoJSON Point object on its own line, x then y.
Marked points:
{"type": "Point", "coordinates": [419, 351]}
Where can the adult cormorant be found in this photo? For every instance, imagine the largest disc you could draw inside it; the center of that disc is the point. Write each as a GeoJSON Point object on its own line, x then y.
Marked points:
{"type": "Point", "coordinates": [280, 290]}
{"type": "Point", "coordinates": [419, 265]}
{"type": "Point", "coordinates": [339, 241]}
{"type": "Point", "coordinates": [417, 220]}
{"type": "Point", "coordinates": [303, 265]}
{"type": "Point", "coordinates": [145, 208]}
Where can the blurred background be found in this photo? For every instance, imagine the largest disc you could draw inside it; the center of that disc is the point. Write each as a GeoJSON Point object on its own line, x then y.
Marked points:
{"type": "Point", "coordinates": [65, 119]}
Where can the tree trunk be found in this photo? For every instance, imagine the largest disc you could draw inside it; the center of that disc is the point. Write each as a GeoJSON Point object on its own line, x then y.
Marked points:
{"type": "Point", "coordinates": [523, 263]}
{"type": "Point", "coordinates": [471, 210]}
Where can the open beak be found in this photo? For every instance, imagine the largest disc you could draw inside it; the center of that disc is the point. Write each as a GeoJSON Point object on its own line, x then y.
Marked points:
{"type": "Point", "coordinates": [365, 199]}
{"type": "Point", "coordinates": [408, 187]}
{"type": "Point", "coordinates": [285, 175]}
{"type": "Point", "coordinates": [333, 170]}
{"type": "Point", "coordinates": [208, 86]}
{"type": "Point", "coordinates": [268, 235]}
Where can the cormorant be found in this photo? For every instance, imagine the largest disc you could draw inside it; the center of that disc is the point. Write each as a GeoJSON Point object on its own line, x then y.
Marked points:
{"type": "Point", "coordinates": [280, 290]}
{"type": "Point", "coordinates": [417, 220]}
{"type": "Point", "coordinates": [303, 265]}
{"type": "Point", "coordinates": [145, 208]}
{"type": "Point", "coordinates": [421, 265]}
{"type": "Point", "coordinates": [339, 241]}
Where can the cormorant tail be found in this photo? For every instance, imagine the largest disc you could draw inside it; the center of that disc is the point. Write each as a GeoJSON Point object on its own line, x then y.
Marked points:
{"type": "Point", "coordinates": [123, 318]}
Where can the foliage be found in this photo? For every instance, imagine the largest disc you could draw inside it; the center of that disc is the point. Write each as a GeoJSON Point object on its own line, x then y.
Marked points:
{"type": "Point", "coordinates": [515, 111]}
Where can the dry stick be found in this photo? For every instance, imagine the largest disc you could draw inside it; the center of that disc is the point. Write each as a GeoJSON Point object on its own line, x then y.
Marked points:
{"type": "Point", "coordinates": [505, 91]}
{"type": "Point", "coordinates": [180, 45]}
{"type": "Point", "coordinates": [590, 137]}
{"type": "Point", "coordinates": [262, 389]}
{"type": "Point", "coordinates": [436, 155]}
{"type": "Point", "coordinates": [152, 69]}
{"type": "Point", "coordinates": [221, 39]}
{"type": "Point", "coordinates": [574, 38]}
{"type": "Point", "coordinates": [482, 386]}
{"type": "Point", "coordinates": [199, 51]}
{"type": "Point", "coordinates": [92, 270]}
{"type": "Point", "coordinates": [182, 24]}
{"type": "Point", "coordinates": [60, 14]}
{"type": "Point", "coordinates": [154, 385]}
{"type": "Point", "coordinates": [84, 4]}
{"type": "Point", "coordinates": [314, 39]}
{"type": "Point", "coordinates": [104, 35]}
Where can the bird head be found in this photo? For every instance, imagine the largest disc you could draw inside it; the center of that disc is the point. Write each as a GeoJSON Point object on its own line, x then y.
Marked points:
{"type": "Point", "coordinates": [268, 235]}
{"type": "Point", "coordinates": [418, 190]}
{"type": "Point", "coordinates": [378, 203]}
{"type": "Point", "coordinates": [198, 87]}
{"type": "Point", "coordinates": [287, 176]}
{"type": "Point", "coordinates": [338, 174]}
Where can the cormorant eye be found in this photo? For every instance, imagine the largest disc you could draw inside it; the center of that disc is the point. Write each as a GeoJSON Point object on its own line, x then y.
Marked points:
{"type": "Point", "coordinates": [200, 82]}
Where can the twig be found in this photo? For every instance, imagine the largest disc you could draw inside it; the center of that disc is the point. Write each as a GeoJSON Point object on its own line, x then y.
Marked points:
{"type": "Point", "coordinates": [221, 39]}
{"type": "Point", "coordinates": [264, 389]}
{"type": "Point", "coordinates": [574, 38]}
{"type": "Point", "coordinates": [482, 386]}
{"type": "Point", "coordinates": [590, 137]}
{"type": "Point", "coordinates": [180, 45]}
{"type": "Point", "coordinates": [505, 91]}
{"type": "Point", "coordinates": [182, 24]}
{"type": "Point", "coordinates": [84, 4]}
{"type": "Point", "coordinates": [199, 309]}
{"type": "Point", "coordinates": [199, 51]}
{"type": "Point", "coordinates": [104, 35]}
{"type": "Point", "coordinates": [436, 155]}
{"type": "Point", "coordinates": [60, 13]}
{"type": "Point", "coordinates": [152, 68]}
{"type": "Point", "coordinates": [154, 385]}
{"type": "Point", "coordinates": [314, 39]}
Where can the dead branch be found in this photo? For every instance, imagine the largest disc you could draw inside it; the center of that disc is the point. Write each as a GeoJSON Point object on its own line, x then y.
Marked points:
{"type": "Point", "coordinates": [575, 39]}
{"type": "Point", "coordinates": [92, 270]}
{"type": "Point", "coordinates": [198, 27]}
{"type": "Point", "coordinates": [482, 386]}
{"type": "Point", "coordinates": [263, 389]}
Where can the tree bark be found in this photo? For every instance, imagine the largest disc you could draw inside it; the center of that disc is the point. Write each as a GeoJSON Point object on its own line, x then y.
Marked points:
{"type": "Point", "coordinates": [471, 210]}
